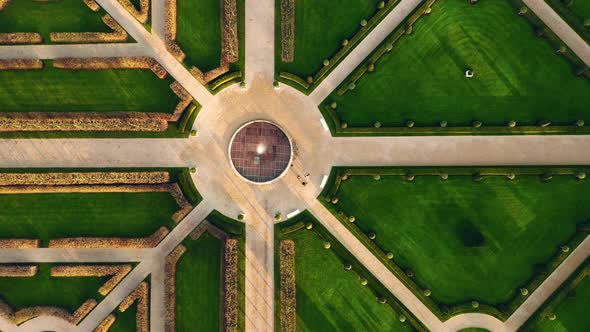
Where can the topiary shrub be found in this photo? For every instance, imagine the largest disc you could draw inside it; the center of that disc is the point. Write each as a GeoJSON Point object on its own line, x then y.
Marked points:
{"type": "Point", "coordinates": [377, 125]}
{"type": "Point", "coordinates": [443, 124]}
{"type": "Point", "coordinates": [333, 105]}
{"type": "Point", "coordinates": [278, 217]}
{"type": "Point", "coordinates": [309, 79]}
{"type": "Point", "coordinates": [381, 300]}
{"type": "Point", "coordinates": [389, 255]}
{"type": "Point", "coordinates": [364, 23]}
{"type": "Point", "coordinates": [241, 217]}
{"type": "Point", "coordinates": [309, 226]}
{"type": "Point", "coordinates": [474, 304]}
{"type": "Point", "coordinates": [444, 176]}
{"type": "Point", "coordinates": [427, 292]}
{"type": "Point", "coordinates": [579, 123]}
{"type": "Point", "coordinates": [351, 86]}
{"type": "Point", "coordinates": [193, 132]}
{"type": "Point", "coordinates": [376, 177]}
{"type": "Point", "coordinates": [580, 176]}
{"type": "Point", "coordinates": [523, 10]}
{"type": "Point", "coordinates": [363, 281]}
{"type": "Point", "coordinates": [344, 42]}
{"type": "Point", "coordinates": [371, 67]}
{"type": "Point", "coordinates": [193, 170]}
{"type": "Point", "coordinates": [524, 292]}
{"type": "Point", "coordinates": [372, 235]}
{"type": "Point", "coordinates": [511, 176]}
{"type": "Point", "coordinates": [344, 177]}
{"type": "Point", "coordinates": [326, 62]}
{"type": "Point", "coordinates": [351, 219]}
{"type": "Point", "coordinates": [544, 123]}
{"type": "Point", "coordinates": [477, 124]}
{"type": "Point", "coordinates": [409, 177]}
{"type": "Point", "coordinates": [512, 124]}
{"type": "Point", "coordinates": [344, 125]}
{"type": "Point", "coordinates": [402, 318]}
{"type": "Point", "coordinates": [381, 4]}
{"type": "Point", "coordinates": [347, 266]}
{"type": "Point", "coordinates": [327, 245]}
{"type": "Point", "coordinates": [410, 124]}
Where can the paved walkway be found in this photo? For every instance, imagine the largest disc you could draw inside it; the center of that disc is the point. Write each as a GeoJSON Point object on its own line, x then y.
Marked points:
{"type": "Point", "coordinates": [225, 191]}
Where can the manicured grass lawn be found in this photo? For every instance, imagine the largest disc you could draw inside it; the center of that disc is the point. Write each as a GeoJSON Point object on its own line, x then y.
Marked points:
{"type": "Point", "coordinates": [48, 216]}
{"type": "Point", "coordinates": [320, 27]}
{"type": "Point", "coordinates": [198, 285]}
{"type": "Point", "coordinates": [43, 290]}
{"type": "Point", "coordinates": [126, 321]}
{"type": "Point", "coordinates": [517, 75]}
{"type": "Point", "coordinates": [434, 228]}
{"type": "Point", "coordinates": [581, 8]}
{"type": "Point", "coordinates": [572, 313]}
{"type": "Point", "coordinates": [58, 90]}
{"type": "Point", "coordinates": [45, 17]}
{"type": "Point", "coordinates": [332, 299]}
{"type": "Point", "coordinates": [199, 32]}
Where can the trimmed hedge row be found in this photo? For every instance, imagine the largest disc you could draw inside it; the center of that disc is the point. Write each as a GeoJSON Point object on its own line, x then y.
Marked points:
{"type": "Point", "coordinates": [186, 121]}
{"type": "Point", "coordinates": [304, 221]}
{"type": "Point", "coordinates": [340, 128]}
{"type": "Point", "coordinates": [188, 187]}
{"type": "Point", "coordinates": [444, 312]}
{"type": "Point", "coordinates": [558, 296]}
{"type": "Point", "coordinates": [225, 80]}
{"type": "Point", "coordinates": [308, 86]}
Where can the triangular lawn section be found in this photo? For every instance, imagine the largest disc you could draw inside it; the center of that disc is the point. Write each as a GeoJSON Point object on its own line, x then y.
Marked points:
{"type": "Point", "coordinates": [467, 240]}
{"type": "Point", "coordinates": [330, 298]}
{"type": "Point", "coordinates": [518, 76]}
{"type": "Point", "coordinates": [320, 27]}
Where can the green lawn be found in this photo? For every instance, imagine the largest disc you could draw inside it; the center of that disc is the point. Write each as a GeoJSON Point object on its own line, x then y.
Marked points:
{"type": "Point", "coordinates": [45, 17]}
{"type": "Point", "coordinates": [126, 321]}
{"type": "Point", "coordinates": [465, 240]}
{"type": "Point", "coordinates": [198, 285]}
{"type": "Point", "coordinates": [59, 90]}
{"type": "Point", "coordinates": [199, 32]}
{"type": "Point", "coordinates": [581, 8]}
{"type": "Point", "coordinates": [48, 216]}
{"type": "Point", "coordinates": [320, 27]}
{"type": "Point", "coordinates": [332, 299]}
{"type": "Point", "coordinates": [517, 76]}
{"type": "Point", "coordinates": [571, 313]}
{"type": "Point", "coordinates": [43, 290]}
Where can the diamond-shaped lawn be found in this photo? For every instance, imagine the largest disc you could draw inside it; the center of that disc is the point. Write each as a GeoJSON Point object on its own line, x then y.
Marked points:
{"type": "Point", "coordinates": [518, 76]}
{"type": "Point", "coordinates": [320, 27]}
{"type": "Point", "coordinates": [330, 298]}
{"type": "Point", "coordinates": [467, 240]}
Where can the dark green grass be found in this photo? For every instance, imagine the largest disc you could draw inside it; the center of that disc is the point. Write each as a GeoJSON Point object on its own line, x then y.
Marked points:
{"type": "Point", "coordinates": [199, 32]}
{"type": "Point", "coordinates": [320, 27]}
{"type": "Point", "coordinates": [581, 8]}
{"type": "Point", "coordinates": [47, 216]}
{"type": "Point", "coordinates": [43, 290]}
{"type": "Point", "coordinates": [58, 90]}
{"type": "Point", "coordinates": [332, 299]}
{"type": "Point", "coordinates": [198, 285]}
{"type": "Point", "coordinates": [126, 321]}
{"type": "Point", "coordinates": [572, 313]}
{"type": "Point", "coordinates": [423, 223]}
{"type": "Point", "coordinates": [45, 17]}
{"type": "Point", "coordinates": [517, 75]}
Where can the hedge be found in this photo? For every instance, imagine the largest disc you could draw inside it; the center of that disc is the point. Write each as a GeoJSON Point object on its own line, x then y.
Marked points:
{"type": "Point", "coordinates": [188, 187]}
{"type": "Point", "coordinates": [319, 76]}
{"type": "Point", "coordinates": [186, 121]}
{"type": "Point", "coordinates": [444, 312]}
{"type": "Point", "coordinates": [298, 224]}
{"type": "Point", "coordinates": [225, 80]}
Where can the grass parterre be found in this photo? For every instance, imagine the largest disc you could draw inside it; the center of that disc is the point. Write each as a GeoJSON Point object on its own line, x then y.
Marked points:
{"type": "Point", "coordinates": [447, 230]}
{"type": "Point", "coordinates": [421, 80]}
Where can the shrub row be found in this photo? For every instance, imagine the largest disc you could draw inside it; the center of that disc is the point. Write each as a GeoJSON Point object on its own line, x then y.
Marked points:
{"type": "Point", "coordinates": [20, 243]}
{"type": "Point", "coordinates": [20, 64]}
{"type": "Point", "coordinates": [226, 80]}
{"type": "Point", "coordinates": [92, 4]}
{"type": "Point", "coordinates": [18, 270]}
{"type": "Point", "coordinates": [26, 314]}
{"type": "Point", "coordinates": [287, 286]}
{"type": "Point", "coordinates": [118, 272]}
{"type": "Point", "coordinates": [231, 304]}
{"type": "Point", "coordinates": [229, 37]}
{"type": "Point", "coordinates": [287, 30]}
{"type": "Point", "coordinates": [13, 38]}
{"type": "Point", "coordinates": [170, 31]}
{"type": "Point", "coordinates": [140, 296]}
{"type": "Point", "coordinates": [78, 178]}
{"type": "Point", "coordinates": [110, 242]}
{"type": "Point", "coordinates": [106, 324]}
{"type": "Point", "coordinates": [327, 197]}
{"type": "Point", "coordinates": [116, 36]}
{"type": "Point", "coordinates": [170, 288]}
{"type": "Point", "coordinates": [139, 62]}
{"type": "Point", "coordinates": [351, 43]}
{"type": "Point", "coordinates": [140, 15]}
{"type": "Point", "coordinates": [188, 187]}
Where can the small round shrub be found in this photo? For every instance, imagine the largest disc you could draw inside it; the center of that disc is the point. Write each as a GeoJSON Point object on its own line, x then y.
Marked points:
{"type": "Point", "coordinates": [565, 249]}
{"type": "Point", "coordinates": [193, 170]}
{"type": "Point", "coordinates": [409, 177]}
{"type": "Point", "coordinates": [344, 125]}
{"type": "Point", "coordinates": [278, 217]}
{"type": "Point", "coordinates": [326, 62]}
{"type": "Point", "coordinates": [512, 124]}
{"type": "Point", "coordinates": [511, 176]}
{"type": "Point", "coordinates": [327, 245]}
{"type": "Point", "coordinates": [552, 316]}
{"type": "Point", "coordinates": [427, 292]}
{"type": "Point", "coordinates": [381, 4]}
{"type": "Point", "coordinates": [347, 266]}
{"type": "Point", "coordinates": [335, 200]}
{"type": "Point", "coordinates": [524, 292]}
{"type": "Point", "coordinates": [477, 177]}
{"type": "Point", "coordinates": [364, 23]}
{"type": "Point", "coordinates": [523, 10]}
{"type": "Point", "coordinates": [351, 219]}
{"type": "Point", "coordinates": [381, 300]}
{"type": "Point", "coordinates": [474, 304]}
{"type": "Point", "coordinates": [410, 273]}
{"type": "Point", "coordinates": [409, 30]}
{"type": "Point", "coordinates": [587, 22]}
{"type": "Point", "coordinates": [193, 132]}
{"type": "Point", "coordinates": [389, 255]}
{"type": "Point", "coordinates": [377, 125]}
{"type": "Point", "coordinates": [443, 124]}
{"type": "Point", "coordinates": [376, 177]}
{"type": "Point", "coordinates": [580, 123]}
{"type": "Point", "coordinates": [477, 124]}
{"type": "Point", "coordinates": [402, 318]}
{"type": "Point", "coordinates": [344, 42]}
{"type": "Point", "coordinates": [243, 85]}
{"type": "Point", "coordinates": [351, 86]}
{"type": "Point", "coordinates": [372, 235]}
{"type": "Point", "coordinates": [410, 124]}
{"type": "Point", "coordinates": [389, 47]}
{"type": "Point", "coordinates": [580, 176]}
{"type": "Point", "coordinates": [364, 281]}
{"type": "Point", "coordinates": [344, 177]}
{"type": "Point", "coordinates": [309, 79]}
{"type": "Point", "coordinates": [309, 226]}
{"type": "Point", "coordinates": [371, 67]}
{"type": "Point", "coordinates": [561, 49]}
{"type": "Point", "coordinates": [444, 176]}
{"type": "Point", "coordinates": [544, 123]}
{"type": "Point", "coordinates": [276, 84]}
{"type": "Point", "coordinates": [241, 216]}
{"type": "Point", "coordinates": [427, 11]}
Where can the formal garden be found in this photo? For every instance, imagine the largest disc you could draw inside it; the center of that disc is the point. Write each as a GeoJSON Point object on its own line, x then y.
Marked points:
{"type": "Point", "coordinates": [469, 223]}
{"type": "Point", "coordinates": [446, 72]}
{"type": "Point", "coordinates": [321, 286]}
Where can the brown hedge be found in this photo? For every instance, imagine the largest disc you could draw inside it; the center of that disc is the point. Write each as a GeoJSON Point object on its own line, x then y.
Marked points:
{"type": "Point", "coordinates": [288, 302]}
{"type": "Point", "coordinates": [185, 100]}
{"type": "Point", "coordinates": [17, 270]}
{"type": "Point", "coordinates": [140, 296]}
{"type": "Point", "coordinates": [20, 38]}
{"type": "Point", "coordinates": [106, 324]}
{"type": "Point", "coordinates": [287, 30]}
{"type": "Point", "coordinates": [78, 178]}
{"type": "Point", "coordinates": [4, 3]}
{"type": "Point", "coordinates": [117, 271]}
{"type": "Point", "coordinates": [140, 62]}
{"type": "Point", "coordinates": [170, 288]}
{"type": "Point", "coordinates": [229, 37]}
{"type": "Point", "coordinates": [142, 15]}
{"type": "Point", "coordinates": [20, 64]}
{"type": "Point", "coordinates": [118, 34]}
{"type": "Point", "coordinates": [19, 243]}
{"type": "Point", "coordinates": [170, 31]}
{"type": "Point", "coordinates": [110, 242]}
{"type": "Point", "coordinates": [183, 203]}
{"type": "Point", "coordinates": [231, 305]}
{"type": "Point", "coordinates": [26, 314]}
{"type": "Point", "coordinates": [92, 4]}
